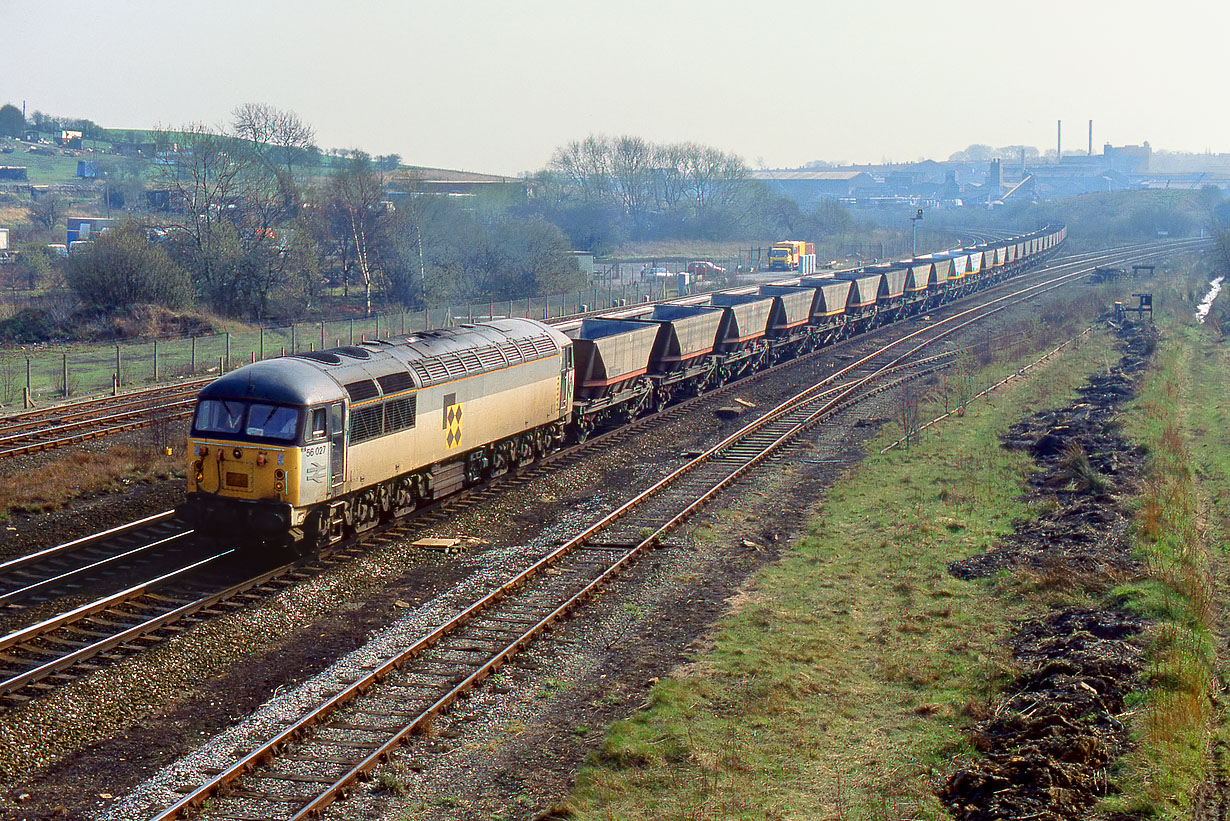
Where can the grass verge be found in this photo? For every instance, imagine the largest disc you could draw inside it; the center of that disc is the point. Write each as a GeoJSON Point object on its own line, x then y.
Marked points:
{"type": "Point", "coordinates": [1180, 529]}
{"type": "Point", "coordinates": [840, 685]}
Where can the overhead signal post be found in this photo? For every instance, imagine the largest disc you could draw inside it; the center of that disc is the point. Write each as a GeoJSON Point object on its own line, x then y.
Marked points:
{"type": "Point", "coordinates": [914, 226]}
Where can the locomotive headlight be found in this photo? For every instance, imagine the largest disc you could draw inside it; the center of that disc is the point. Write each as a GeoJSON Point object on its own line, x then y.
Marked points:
{"type": "Point", "coordinates": [260, 460]}
{"type": "Point", "coordinates": [237, 453]}
{"type": "Point", "coordinates": [204, 451]}
{"type": "Point", "coordinates": [279, 486]}
{"type": "Point", "coordinates": [279, 474]}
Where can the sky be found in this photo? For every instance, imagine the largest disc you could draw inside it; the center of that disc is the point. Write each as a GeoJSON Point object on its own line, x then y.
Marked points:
{"type": "Point", "coordinates": [495, 87]}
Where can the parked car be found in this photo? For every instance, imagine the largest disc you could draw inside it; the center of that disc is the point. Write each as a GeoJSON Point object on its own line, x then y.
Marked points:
{"type": "Point", "coordinates": [650, 273]}
{"type": "Point", "coordinates": [704, 268]}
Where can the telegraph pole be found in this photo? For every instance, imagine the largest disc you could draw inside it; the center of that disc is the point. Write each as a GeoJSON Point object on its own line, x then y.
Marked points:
{"type": "Point", "coordinates": [914, 230]}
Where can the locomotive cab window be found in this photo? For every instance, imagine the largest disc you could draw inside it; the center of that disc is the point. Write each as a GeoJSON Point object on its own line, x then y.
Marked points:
{"type": "Point", "coordinates": [255, 420]}
{"type": "Point", "coordinates": [272, 421]}
{"type": "Point", "coordinates": [219, 416]}
{"type": "Point", "coordinates": [318, 429]}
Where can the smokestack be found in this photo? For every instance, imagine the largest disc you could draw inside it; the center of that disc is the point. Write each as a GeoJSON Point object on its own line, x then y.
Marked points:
{"type": "Point", "coordinates": [1091, 138]}
{"type": "Point", "coordinates": [1058, 140]}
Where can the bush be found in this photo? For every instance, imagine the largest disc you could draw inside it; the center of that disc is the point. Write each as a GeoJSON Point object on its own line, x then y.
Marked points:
{"type": "Point", "coordinates": [29, 325]}
{"type": "Point", "coordinates": [123, 268]}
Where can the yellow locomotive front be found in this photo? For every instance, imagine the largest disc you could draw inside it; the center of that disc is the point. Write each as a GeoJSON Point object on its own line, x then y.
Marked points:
{"type": "Point", "coordinates": [260, 452]}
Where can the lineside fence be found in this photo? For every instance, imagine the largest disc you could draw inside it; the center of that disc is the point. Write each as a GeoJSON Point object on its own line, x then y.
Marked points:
{"type": "Point", "coordinates": [33, 375]}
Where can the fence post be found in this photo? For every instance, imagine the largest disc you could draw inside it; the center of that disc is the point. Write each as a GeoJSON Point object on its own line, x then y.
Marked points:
{"type": "Point", "coordinates": [351, 333]}
{"type": "Point", "coordinates": [65, 364]}
{"type": "Point", "coordinates": [221, 365]}
{"type": "Point", "coordinates": [193, 364]}
{"type": "Point", "coordinates": [322, 334]}
{"type": "Point", "coordinates": [119, 365]}
{"type": "Point", "coordinates": [262, 342]}
{"type": "Point", "coordinates": [155, 360]}
{"type": "Point", "coordinates": [29, 397]}
{"type": "Point", "coordinates": [403, 322]}
{"type": "Point", "coordinates": [294, 342]}
{"type": "Point", "coordinates": [228, 349]}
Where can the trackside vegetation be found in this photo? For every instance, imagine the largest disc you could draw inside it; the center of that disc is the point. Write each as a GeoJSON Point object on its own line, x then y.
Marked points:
{"type": "Point", "coordinates": [841, 684]}
{"type": "Point", "coordinates": [1181, 529]}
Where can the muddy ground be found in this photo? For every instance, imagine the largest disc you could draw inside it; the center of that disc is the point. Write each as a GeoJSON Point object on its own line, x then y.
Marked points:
{"type": "Point", "coordinates": [1048, 742]}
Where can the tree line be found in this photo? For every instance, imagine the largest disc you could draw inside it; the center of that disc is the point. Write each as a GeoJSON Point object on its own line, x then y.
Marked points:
{"type": "Point", "coordinates": [603, 191]}
{"type": "Point", "coordinates": [255, 221]}
{"type": "Point", "coordinates": [240, 229]}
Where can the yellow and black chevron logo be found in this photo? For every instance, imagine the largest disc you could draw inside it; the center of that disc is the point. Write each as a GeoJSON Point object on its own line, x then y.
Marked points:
{"type": "Point", "coordinates": [452, 421]}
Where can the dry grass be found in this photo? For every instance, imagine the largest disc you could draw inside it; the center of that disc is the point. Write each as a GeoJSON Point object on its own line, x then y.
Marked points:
{"type": "Point", "coordinates": [79, 474]}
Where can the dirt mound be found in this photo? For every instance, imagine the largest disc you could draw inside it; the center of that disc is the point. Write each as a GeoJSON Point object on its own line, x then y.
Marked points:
{"type": "Point", "coordinates": [1050, 736]}
{"type": "Point", "coordinates": [1083, 462]}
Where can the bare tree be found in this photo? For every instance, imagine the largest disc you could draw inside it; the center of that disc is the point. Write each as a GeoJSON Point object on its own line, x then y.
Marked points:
{"type": "Point", "coordinates": [356, 200]}
{"type": "Point", "coordinates": [280, 140]}
{"type": "Point", "coordinates": [632, 174]}
{"type": "Point", "coordinates": [908, 414]}
{"type": "Point", "coordinates": [277, 135]}
{"type": "Point", "coordinates": [47, 210]}
{"type": "Point", "coordinates": [669, 182]}
{"type": "Point", "coordinates": [206, 178]}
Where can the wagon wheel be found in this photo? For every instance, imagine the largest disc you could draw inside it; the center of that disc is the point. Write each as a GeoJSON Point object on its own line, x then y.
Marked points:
{"type": "Point", "coordinates": [580, 430]}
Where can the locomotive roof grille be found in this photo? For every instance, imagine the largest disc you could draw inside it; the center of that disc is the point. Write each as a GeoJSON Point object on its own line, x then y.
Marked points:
{"type": "Point", "coordinates": [490, 357]}
{"type": "Point", "coordinates": [511, 352]}
{"type": "Point", "coordinates": [363, 389]}
{"type": "Point", "coordinates": [453, 364]}
{"type": "Point", "coordinates": [449, 365]}
{"type": "Point", "coordinates": [321, 356]}
{"type": "Point", "coordinates": [395, 382]}
{"type": "Point", "coordinates": [543, 346]}
{"type": "Point", "coordinates": [354, 352]}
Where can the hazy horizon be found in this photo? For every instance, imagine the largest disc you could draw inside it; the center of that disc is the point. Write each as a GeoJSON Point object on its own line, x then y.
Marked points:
{"type": "Point", "coordinates": [493, 87]}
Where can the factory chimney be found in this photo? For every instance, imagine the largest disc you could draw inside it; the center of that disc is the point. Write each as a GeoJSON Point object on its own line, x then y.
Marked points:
{"type": "Point", "coordinates": [1091, 138]}
{"type": "Point", "coordinates": [1058, 140]}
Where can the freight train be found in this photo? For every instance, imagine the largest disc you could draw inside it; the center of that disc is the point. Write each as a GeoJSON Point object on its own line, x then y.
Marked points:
{"type": "Point", "coordinates": [305, 449]}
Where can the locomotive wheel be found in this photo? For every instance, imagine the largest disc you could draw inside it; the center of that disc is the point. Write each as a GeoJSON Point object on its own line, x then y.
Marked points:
{"type": "Point", "coordinates": [366, 510]}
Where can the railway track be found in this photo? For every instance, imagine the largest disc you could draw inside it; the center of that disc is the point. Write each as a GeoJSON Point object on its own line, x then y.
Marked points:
{"type": "Point", "coordinates": [310, 762]}
{"type": "Point", "coordinates": [45, 653]}
{"type": "Point", "coordinates": [38, 576]}
{"type": "Point", "coordinates": [77, 422]}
